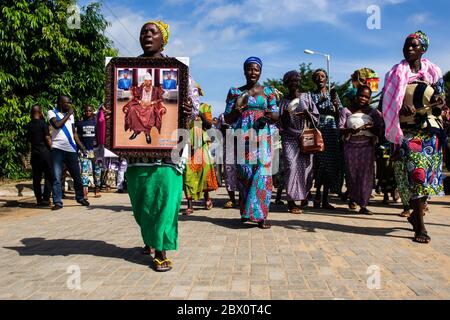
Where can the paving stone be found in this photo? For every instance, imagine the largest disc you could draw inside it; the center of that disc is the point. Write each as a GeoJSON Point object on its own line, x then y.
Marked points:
{"type": "Point", "coordinates": [327, 260]}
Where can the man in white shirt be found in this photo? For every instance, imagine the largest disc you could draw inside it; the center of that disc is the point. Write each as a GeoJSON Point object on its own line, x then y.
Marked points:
{"type": "Point", "coordinates": [64, 150]}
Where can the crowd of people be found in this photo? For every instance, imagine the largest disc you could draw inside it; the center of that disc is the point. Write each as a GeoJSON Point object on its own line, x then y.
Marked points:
{"type": "Point", "coordinates": [69, 146]}
{"type": "Point", "coordinates": [402, 142]}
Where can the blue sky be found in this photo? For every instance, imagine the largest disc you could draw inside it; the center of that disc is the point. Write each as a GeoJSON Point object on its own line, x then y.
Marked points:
{"type": "Point", "coordinates": [218, 35]}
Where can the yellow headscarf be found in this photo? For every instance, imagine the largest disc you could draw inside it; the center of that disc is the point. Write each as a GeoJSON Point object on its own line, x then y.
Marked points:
{"type": "Point", "coordinates": [200, 90]}
{"type": "Point", "coordinates": [164, 28]}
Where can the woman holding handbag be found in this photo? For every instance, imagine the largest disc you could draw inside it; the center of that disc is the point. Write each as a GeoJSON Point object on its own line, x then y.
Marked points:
{"type": "Point", "coordinates": [296, 110]}
{"type": "Point", "coordinates": [329, 165]}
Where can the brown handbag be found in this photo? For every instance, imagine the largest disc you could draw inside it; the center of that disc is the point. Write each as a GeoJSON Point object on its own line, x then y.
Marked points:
{"type": "Point", "coordinates": [311, 140]}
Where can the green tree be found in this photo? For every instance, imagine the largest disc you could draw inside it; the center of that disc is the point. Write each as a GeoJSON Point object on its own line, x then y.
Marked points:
{"type": "Point", "coordinates": [43, 57]}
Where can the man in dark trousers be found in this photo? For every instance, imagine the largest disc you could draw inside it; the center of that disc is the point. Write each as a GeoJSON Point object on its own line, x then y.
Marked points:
{"type": "Point", "coordinates": [64, 150]}
{"type": "Point", "coordinates": [41, 162]}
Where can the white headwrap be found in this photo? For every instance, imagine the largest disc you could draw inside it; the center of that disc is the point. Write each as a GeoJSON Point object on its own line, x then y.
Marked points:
{"type": "Point", "coordinates": [148, 76]}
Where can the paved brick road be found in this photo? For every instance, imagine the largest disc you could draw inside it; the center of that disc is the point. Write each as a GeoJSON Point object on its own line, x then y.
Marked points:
{"type": "Point", "coordinates": [318, 255]}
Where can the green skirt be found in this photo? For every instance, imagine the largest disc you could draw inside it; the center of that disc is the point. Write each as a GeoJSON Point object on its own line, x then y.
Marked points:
{"type": "Point", "coordinates": [155, 193]}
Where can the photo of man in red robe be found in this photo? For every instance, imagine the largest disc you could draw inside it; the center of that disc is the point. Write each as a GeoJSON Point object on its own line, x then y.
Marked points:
{"type": "Point", "coordinates": [145, 110]}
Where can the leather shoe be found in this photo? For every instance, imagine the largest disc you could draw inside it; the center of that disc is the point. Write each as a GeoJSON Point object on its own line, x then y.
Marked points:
{"type": "Point", "coordinates": [133, 136]}
{"type": "Point", "coordinates": [83, 202]}
{"type": "Point", "coordinates": [57, 207]}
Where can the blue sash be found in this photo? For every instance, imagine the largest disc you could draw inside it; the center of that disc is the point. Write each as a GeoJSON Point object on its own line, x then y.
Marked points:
{"type": "Point", "coordinates": [66, 131]}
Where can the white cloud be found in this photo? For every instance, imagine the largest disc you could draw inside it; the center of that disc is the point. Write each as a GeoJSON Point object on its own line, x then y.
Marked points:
{"type": "Point", "coordinates": [124, 29]}
{"type": "Point", "coordinates": [420, 19]}
{"type": "Point", "coordinates": [218, 36]}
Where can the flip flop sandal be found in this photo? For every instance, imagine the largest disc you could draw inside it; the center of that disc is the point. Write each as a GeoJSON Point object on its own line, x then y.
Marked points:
{"type": "Point", "coordinates": [295, 210]}
{"type": "Point", "coordinates": [328, 206]}
{"type": "Point", "coordinates": [352, 205]}
{"type": "Point", "coordinates": [168, 261]}
{"type": "Point", "coordinates": [366, 211]}
{"type": "Point", "coordinates": [264, 225]}
{"type": "Point", "coordinates": [158, 265]}
{"type": "Point", "coordinates": [208, 204]}
{"type": "Point", "coordinates": [229, 205]}
{"type": "Point", "coordinates": [422, 238]}
{"type": "Point", "coordinates": [405, 214]}
{"type": "Point", "coordinates": [188, 212]}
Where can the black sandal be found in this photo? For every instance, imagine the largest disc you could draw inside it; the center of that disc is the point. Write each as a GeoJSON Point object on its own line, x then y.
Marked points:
{"type": "Point", "coordinates": [264, 225]}
{"type": "Point", "coordinates": [422, 237]}
{"type": "Point", "coordinates": [327, 206]}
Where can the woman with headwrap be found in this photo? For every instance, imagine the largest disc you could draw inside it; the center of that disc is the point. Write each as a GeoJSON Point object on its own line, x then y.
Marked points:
{"type": "Point", "coordinates": [296, 110]}
{"type": "Point", "coordinates": [328, 166]}
{"type": "Point", "coordinates": [360, 125]}
{"type": "Point", "coordinates": [200, 177]}
{"type": "Point", "coordinates": [155, 186]}
{"type": "Point", "coordinates": [416, 135]}
{"type": "Point", "coordinates": [251, 109]}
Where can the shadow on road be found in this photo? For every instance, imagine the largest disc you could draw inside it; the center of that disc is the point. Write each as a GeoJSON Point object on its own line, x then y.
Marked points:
{"type": "Point", "coordinates": [67, 247]}
{"type": "Point", "coordinates": [28, 203]}
{"type": "Point", "coordinates": [114, 208]}
{"type": "Point", "coordinates": [308, 226]}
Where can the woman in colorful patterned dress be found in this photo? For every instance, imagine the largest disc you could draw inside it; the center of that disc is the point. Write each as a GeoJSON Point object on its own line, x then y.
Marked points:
{"type": "Point", "coordinates": [200, 176]}
{"type": "Point", "coordinates": [419, 144]}
{"type": "Point", "coordinates": [328, 166]}
{"type": "Point", "coordinates": [252, 108]}
{"type": "Point", "coordinates": [298, 166]}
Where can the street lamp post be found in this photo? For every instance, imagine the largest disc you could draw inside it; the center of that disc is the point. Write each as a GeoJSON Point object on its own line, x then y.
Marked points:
{"type": "Point", "coordinates": [328, 64]}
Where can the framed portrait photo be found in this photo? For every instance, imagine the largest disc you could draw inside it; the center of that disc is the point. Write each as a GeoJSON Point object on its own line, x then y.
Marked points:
{"type": "Point", "coordinates": [145, 96]}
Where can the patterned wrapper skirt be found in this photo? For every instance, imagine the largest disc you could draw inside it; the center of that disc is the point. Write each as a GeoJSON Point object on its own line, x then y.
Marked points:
{"type": "Point", "coordinates": [298, 168]}
{"type": "Point", "coordinates": [422, 156]}
{"type": "Point", "coordinates": [90, 175]}
{"type": "Point", "coordinates": [359, 159]}
{"type": "Point", "coordinates": [200, 176]}
{"type": "Point", "coordinates": [329, 165]}
{"type": "Point", "coordinates": [255, 182]}
{"type": "Point", "coordinates": [155, 194]}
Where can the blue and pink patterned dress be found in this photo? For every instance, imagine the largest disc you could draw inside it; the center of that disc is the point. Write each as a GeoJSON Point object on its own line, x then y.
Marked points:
{"type": "Point", "coordinates": [254, 176]}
